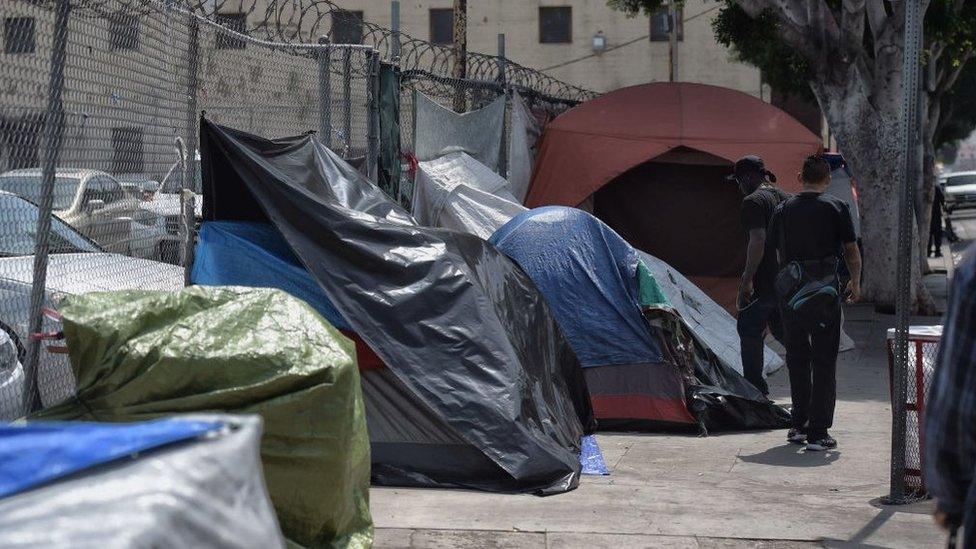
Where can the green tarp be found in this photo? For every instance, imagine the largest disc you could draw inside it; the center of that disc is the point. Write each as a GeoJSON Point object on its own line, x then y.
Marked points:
{"type": "Point", "coordinates": [145, 354]}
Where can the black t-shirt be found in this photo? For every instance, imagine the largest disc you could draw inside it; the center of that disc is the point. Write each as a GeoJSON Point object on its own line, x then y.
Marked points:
{"type": "Point", "coordinates": [814, 226]}
{"type": "Point", "coordinates": [757, 211]}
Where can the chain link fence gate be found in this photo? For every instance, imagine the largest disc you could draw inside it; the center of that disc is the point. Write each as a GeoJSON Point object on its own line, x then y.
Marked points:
{"type": "Point", "coordinates": [98, 126]}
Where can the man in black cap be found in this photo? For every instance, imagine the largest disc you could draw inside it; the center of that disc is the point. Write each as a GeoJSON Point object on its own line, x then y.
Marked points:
{"type": "Point", "coordinates": [756, 301]}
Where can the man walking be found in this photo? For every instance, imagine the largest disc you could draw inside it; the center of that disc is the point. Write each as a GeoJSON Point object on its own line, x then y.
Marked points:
{"type": "Point", "coordinates": [808, 233]}
{"type": "Point", "coordinates": [935, 224]}
{"type": "Point", "coordinates": [756, 301]}
{"type": "Point", "coordinates": [950, 413]}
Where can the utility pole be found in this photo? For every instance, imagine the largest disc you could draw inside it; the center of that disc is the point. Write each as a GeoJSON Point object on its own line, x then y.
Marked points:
{"type": "Point", "coordinates": [460, 52]}
{"type": "Point", "coordinates": [672, 41]}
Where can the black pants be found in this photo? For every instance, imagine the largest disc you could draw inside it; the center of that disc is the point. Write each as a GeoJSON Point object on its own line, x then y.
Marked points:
{"type": "Point", "coordinates": [935, 236]}
{"type": "Point", "coordinates": [811, 357]}
{"type": "Point", "coordinates": [751, 325]}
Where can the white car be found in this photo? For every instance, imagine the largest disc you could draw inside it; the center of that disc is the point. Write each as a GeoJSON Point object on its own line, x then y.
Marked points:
{"type": "Point", "coordinates": [76, 265]}
{"type": "Point", "coordinates": [960, 190]}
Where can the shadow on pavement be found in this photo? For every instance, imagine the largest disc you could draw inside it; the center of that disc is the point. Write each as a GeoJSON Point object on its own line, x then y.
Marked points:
{"type": "Point", "coordinates": [858, 539]}
{"type": "Point", "coordinates": [792, 455]}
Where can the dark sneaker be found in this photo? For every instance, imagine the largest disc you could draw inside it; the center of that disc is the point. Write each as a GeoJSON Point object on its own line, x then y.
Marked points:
{"type": "Point", "coordinates": [796, 436]}
{"type": "Point", "coordinates": [821, 444]}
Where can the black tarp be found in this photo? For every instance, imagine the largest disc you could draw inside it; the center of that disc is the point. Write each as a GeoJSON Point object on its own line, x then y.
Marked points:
{"type": "Point", "coordinates": [460, 324]}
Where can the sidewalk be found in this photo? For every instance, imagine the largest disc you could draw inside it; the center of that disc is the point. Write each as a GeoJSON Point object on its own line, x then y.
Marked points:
{"type": "Point", "coordinates": [726, 490]}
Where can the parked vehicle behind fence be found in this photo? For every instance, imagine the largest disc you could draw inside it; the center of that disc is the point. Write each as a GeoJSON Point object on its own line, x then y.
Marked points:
{"type": "Point", "coordinates": [76, 265]}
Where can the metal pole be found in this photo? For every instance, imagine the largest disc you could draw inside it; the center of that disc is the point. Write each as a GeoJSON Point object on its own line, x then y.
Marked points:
{"type": "Point", "coordinates": [325, 91]}
{"type": "Point", "coordinates": [395, 35]}
{"type": "Point", "coordinates": [53, 132]}
{"type": "Point", "coordinates": [347, 98]}
{"type": "Point", "coordinates": [373, 130]}
{"type": "Point", "coordinates": [673, 41]}
{"type": "Point", "coordinates": [188, 199]}
{"type": "Point", "coordinates": [460, 51]}
{"type": "Point", "coordinates": [503, 152]}
{"type": "Point", "coordinates": [906, 250]}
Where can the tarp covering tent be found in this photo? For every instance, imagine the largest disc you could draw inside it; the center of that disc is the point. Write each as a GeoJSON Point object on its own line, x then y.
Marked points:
{"type": "Point", "coordinates": [192, 481]}
{"type": "Point", "coordinates": [643, 368]}
{"type": "Point", "coordinates": [458, 183]}
{"type": "Point", "coordinates": [141, 355]}
{"type": "Point", "coordinates": [653, 159]}
{"type": "Point", "coordinates": [440, 130]}
{"type": "Point", "coordinates": [481, 388]}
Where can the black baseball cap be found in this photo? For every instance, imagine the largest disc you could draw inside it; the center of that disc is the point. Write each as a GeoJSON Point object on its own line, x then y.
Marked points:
{"type": "Point", "coordinates": [749, 165]}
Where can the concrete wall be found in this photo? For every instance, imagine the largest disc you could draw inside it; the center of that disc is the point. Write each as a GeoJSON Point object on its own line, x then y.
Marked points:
{"type": "Point", "coordinates": [700, 57]}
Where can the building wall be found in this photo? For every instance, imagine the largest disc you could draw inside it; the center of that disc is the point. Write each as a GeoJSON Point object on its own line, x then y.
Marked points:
{"type": "Point", "coordinates": [700, 58]}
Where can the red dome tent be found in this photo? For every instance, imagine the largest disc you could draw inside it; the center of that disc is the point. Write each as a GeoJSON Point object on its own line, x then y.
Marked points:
{"type": "Point", "coordinates": [653, 160]}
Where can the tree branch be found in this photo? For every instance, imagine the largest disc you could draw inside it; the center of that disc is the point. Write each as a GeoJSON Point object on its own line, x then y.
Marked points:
{"type": "Point", "coordinates": [808, 27]}
{"type": "Point", "coordinates": [877, 18]}
{"type": "Point", "coordinates": [852, 27]}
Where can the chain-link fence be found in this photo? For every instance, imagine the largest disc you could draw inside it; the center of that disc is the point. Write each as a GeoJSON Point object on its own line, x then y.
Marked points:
{"type": "Point", "coordinates": [98, 126]}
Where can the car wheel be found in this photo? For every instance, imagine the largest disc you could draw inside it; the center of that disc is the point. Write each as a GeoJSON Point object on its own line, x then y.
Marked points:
{"type": "Point", "coordinates": [21, 350]}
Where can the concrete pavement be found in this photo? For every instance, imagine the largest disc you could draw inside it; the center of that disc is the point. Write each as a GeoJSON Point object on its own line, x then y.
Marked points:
{"type": "Point", "coordinates": [726, 490]}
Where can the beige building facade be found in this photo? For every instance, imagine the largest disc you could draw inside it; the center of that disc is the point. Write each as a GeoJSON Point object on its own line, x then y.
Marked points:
{"type": "Point", "coordinates": [536, 37]}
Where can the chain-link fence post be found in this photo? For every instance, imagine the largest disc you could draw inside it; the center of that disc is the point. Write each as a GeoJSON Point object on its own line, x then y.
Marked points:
{"type": "Point", "coordinates": [373, 124]}
{"type": "Point", "coordinates": [187, 194]}
{"type": "Point", "coordinates": [347, 98]}
{"type": "Point", "coordinates": [910, 123]}
{"type": "Point", "coordinates": [51, 143]}
{"type": "Point", "coordinates": [503, 151]}
{"type": "Point", "coordinates": [324, 54]}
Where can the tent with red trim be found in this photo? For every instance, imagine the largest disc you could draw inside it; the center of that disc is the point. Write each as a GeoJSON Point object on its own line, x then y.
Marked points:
{"type": "Point", "coordinates": [651, 161]}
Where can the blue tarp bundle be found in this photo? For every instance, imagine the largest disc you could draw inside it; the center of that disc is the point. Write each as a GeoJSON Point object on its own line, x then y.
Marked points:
{"type": "Point", "coordinates": [588, 274]}
{"type": "Point", "coordinates": [39, 452]}
{"type": "Point", "coordinates": [240, 253]}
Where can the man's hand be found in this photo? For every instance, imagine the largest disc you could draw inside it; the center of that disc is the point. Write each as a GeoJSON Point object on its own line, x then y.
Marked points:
{"type": "Point", "coordinates": [853, 292]}
{"type": "Point", "coordinates": [941, 520]}
{"type": "Point", "coordinates": [745, 293]}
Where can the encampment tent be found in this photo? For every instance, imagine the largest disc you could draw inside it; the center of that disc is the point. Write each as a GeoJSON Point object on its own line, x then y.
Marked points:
{"type": "Point", "coordinates": [651, 161]}
{"type": "Point", "coordinates": [192, 481]}
{"type": "Point", "coordinates": [475, 385]}
{"type": "Point", "coordinates": [643, 367]}
{"type": "Point", "coordinates": [460, 193]}
{"type": "Point", "coordinates": [142, 354]}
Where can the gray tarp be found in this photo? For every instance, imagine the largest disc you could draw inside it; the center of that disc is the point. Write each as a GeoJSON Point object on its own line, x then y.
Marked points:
{"type": "Point", "coordinates": [441, 130]}
{"type": "Point", "coordinates": [451, 180]}
{"type": "Point", "coordinates": [457, 192]}
{"type": "Point", "coordinates": [208, 492]}
{"type": "Point", "coordinates": [521, 147]}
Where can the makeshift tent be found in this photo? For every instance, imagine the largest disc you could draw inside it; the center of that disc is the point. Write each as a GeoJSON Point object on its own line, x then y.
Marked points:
{"type": "Point", "coordinates": [455, 191]}
{"type": "Point", "coordinates": [653, 160]}
{"type": "Point", "coordinates": [475, 385]}
{"type": "Point", "coordinates": [193, 481]}
{"type": "Point", "coordinates": [643, 368]}
{"type": "Point", "coordinates": [145, 354]}
{"type": "Point", "coordinates": [440, 130]}
{"type": "Point", "coordinates": [460, 187]}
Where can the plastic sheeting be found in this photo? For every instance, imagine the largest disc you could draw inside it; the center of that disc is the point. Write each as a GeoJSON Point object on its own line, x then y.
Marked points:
{"type": "Point", "coordinates": [145, 354]}
{"type": "Point", "coordinates": [11, 380]}
{"type": "Point", "coordinates": [440, 131]}
{"type": "Point", "coordinates": [43, 451]}
{"type": "Point", "coordinates": [207, 492]}
{"type": "Point", "coordinates": [241, 253]}
{"type": "Point", "coordinates": [709, 321]}
{"type": "Point", "coordinates": [525, 133]}
{"type": "Point", "coordinates": [575, 259]}
{"type": "Point", "coordinates": [455, 191]}
{"type": "Point", "coordinates": [459, 324]}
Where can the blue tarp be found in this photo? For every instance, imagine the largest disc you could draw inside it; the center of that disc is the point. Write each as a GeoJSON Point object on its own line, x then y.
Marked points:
{"type": "Point", "coordinates": [240, 253]}
{"type": "Point", "coordinates": [588, 274]}
{"type": "Point", "coordinates": [36, 453]}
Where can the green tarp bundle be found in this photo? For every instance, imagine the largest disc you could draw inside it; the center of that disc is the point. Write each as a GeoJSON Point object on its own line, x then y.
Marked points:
{"type": "Point", "coordinates": [145, 354]}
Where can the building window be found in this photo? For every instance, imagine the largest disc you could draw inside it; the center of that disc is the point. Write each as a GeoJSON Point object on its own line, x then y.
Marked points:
{"type": "Point", "coordinates": [236, 22]}
{"type": "Point", "coordinates": [127, 146]}
{"type": "Point", "coordinates": [442, 26]}
{"type": "Point", "coordinates": [556, 25]}
{"type": "Point", "coordinates": [123, 32]}
{"type": "Point", "coordinates": [18, 35]}
{"type": "Point", "coordinates": [347, 27]}
{"type": "Point", "coordinates": [660, 26]}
